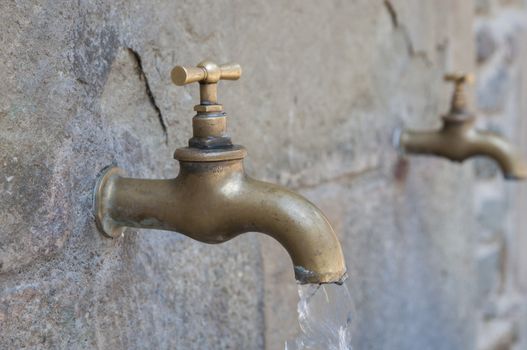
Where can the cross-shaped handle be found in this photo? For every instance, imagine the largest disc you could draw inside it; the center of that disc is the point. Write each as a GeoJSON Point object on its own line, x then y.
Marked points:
{"type": "Point", "coordinates": [207, 74]}
{"type": "Point", "coordinates": [460, 78]}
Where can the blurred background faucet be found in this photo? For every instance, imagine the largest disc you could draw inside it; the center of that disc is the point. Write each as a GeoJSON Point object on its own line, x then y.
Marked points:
{"type": "Point", "coordinates": [458, 139]}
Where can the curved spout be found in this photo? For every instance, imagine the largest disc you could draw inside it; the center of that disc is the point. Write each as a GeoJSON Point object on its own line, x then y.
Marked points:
{"type": "Point", "coordinates": [512, 167]}
{"type": "Point", "coordinates": [459, 140]}
{"type": "Point", "coordinates": [299, 226]}
{"type": "Point", "coordinates": [213, 202]}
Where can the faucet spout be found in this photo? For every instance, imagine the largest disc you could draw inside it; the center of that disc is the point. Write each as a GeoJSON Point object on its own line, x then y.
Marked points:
{"type": "Point", "coordinates": [299, 226]}
{"type": "Point", "coordinates": [491, 145]}
{"type": "Point", "coordinates": [213, 202]}
{"type": "Point", "coordinates": [459, 140]}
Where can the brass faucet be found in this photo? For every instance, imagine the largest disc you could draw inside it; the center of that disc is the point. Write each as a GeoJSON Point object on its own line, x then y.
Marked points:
{"type": "Point", "coordinates": [458, 139]}
{"type": "Point", "coordinates": [213, 200]}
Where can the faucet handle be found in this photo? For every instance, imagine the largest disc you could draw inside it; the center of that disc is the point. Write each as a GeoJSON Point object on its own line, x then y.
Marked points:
{"type": "Point", "coordinates": [459, 100]}
{"type": "Point", "coordinates": [207, 73]}
{"type": "Point", "coordinates": [460, 78]}
{"type": "Point", "coordinates": [209, 125]}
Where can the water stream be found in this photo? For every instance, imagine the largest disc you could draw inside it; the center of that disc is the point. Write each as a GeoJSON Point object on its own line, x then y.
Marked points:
{"type": "Point", "coordinates": [324, 314]}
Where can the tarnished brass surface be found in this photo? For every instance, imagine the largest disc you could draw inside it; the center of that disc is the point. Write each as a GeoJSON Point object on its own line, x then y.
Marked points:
{"type": "Point", "coordinates": [209, 124]}
{"type": "Point", "coordinates": [191, 154]}
{"type": "Point", "coordinates": [208, 74]}
{"type": "Point", "coordinates": [458, 104]}
{"type": "Point", "coordinates": [212, 200]}
{"type": "Point", "coordinates": [458, 139]}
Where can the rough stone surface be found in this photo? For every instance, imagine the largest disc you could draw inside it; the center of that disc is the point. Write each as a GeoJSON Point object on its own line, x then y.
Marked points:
{"type": "Point", "coordinates": [408, 251]}
{"type": "Point", "coordinates": [488, 267]}
{"type": "Point", "coordinates": [485, 168]}
{"type": "Point", "coordinates": [75, 98]}
{"type": "Point", "coordinates": [498, 335]}
{"type": "Point", "coordinates": [501, 207]}
{"type": "Point", "coordinates": [325, 84]}
{"type": "Point", "coordinates": [485, 44]}
{"type": "Point", "coordinates": [493, 90]}
{"type": "Point", "coordinates": [492, 215]}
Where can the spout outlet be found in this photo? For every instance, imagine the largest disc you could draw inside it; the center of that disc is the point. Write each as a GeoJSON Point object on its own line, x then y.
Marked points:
{"type": "Point", "coordinates": [214, 201]}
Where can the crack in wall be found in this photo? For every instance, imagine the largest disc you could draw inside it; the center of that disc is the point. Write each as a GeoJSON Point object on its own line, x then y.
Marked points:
{"type": "Point", "coordinates": [394, 17]}
{"type": "Point", "coordinates": [149, 93]}
{"type": "Point", "coordinates": [347, 176]}
{"type": "Point", "coordinates": [392, 13]}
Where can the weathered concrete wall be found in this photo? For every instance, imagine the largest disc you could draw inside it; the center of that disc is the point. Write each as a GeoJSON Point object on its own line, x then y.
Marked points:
{"type": "Point", "coordinates": [501, 55]}
{"type": "Point", "coordinates": [405, 222]}
{"type": "Point", "coordinates": [325, 84]}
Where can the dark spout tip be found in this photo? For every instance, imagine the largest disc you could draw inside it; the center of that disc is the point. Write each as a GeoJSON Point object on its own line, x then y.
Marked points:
{"type": "Point", "coordinates": [517, 173]}
{"type": "Point", "coordinates": [343, 279]}
{"type": "Point", "coordinates": [305, 276]}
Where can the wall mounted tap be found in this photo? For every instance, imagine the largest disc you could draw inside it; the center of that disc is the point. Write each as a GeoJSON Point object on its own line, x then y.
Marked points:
{"type": "Point", "coordinates": [458, 139]}
{"type": "Point", "coordinates": [213, 200]}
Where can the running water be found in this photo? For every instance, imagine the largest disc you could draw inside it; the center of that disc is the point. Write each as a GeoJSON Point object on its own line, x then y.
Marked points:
{"type": "Point", "coordinates": [324, 314]}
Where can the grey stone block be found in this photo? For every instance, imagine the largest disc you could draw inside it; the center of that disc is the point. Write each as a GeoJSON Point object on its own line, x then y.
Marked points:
{"type": "Point", "coordinates": [485, 168]}
{"type": "Point", "coordinates": [489, 271]}
{"type": "Point", "coordinates": [485, 43]}
{"type": "Point", "coordinates": [492, 92]}
{"type": "Point", "coordinates": [492, 215]}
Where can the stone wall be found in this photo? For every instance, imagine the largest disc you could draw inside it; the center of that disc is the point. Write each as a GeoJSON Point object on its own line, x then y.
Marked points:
{"type": "Point", "coordinates": [501, 55]}
{"type": "Point", "coordinates": [433, 248]}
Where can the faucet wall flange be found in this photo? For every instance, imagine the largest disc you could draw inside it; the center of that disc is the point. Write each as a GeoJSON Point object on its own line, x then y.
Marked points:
{"type": "Point", "coordinates": [103, 193]}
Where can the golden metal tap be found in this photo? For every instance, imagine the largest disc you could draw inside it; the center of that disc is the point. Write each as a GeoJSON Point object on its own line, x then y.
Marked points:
{"type": "Point", "coordinates": [213, 200]}
{"type": "Point", "coordinates": [458, 104]}
{"type": "Point", "coordinates": [210, 123]}
{"type": "Point", "coordinates": [458, 139]}
{"type": "Point", "coordinates": [208, 74]}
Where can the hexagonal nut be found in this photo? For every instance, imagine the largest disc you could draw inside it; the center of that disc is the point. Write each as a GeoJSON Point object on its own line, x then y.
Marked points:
{"type": "Point", "coordinates": [208, 108]}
